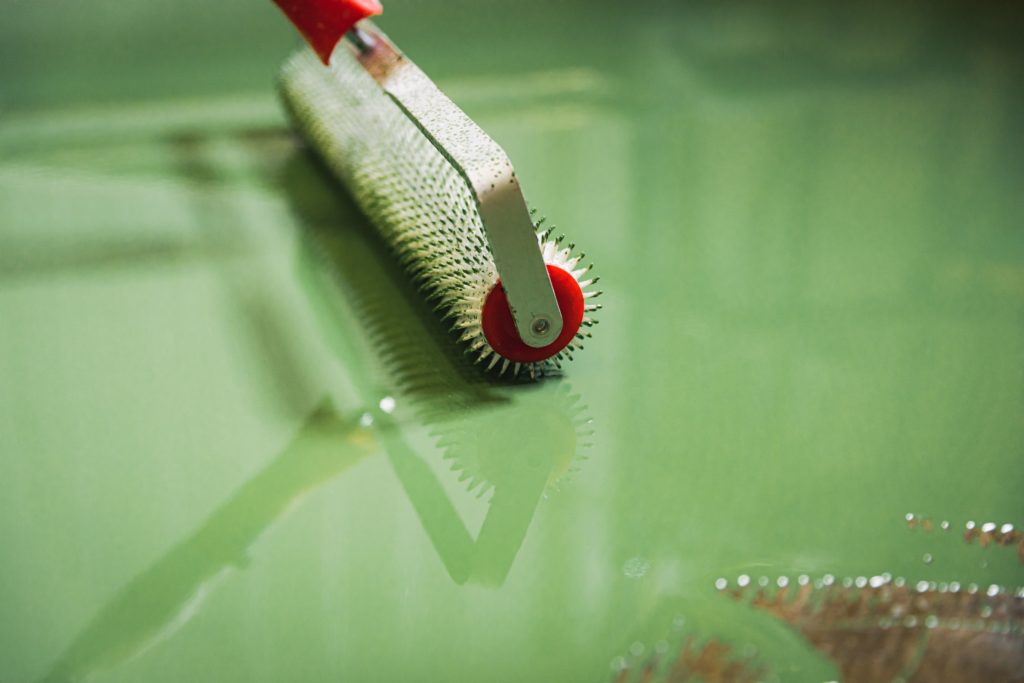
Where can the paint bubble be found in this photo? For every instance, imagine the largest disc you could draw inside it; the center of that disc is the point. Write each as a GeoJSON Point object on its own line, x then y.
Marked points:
{"type": "Point", "coordinates": [636, 567]}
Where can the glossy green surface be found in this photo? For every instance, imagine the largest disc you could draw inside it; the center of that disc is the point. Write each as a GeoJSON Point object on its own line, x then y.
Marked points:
{"type": "Point", "coordinates": [810, 233]}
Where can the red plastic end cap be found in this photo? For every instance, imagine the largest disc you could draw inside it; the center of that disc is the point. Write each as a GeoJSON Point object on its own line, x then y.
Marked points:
{"type": "Point", "coordinates": [323, 22]}
{"type": "Point", "coordinates": [500, 328]}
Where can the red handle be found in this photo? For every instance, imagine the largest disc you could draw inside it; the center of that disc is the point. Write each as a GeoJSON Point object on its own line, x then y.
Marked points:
{"type": "Point", "coordinates": [323, 22]}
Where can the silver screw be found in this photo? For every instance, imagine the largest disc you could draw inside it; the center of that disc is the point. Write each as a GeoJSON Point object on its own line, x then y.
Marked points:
{"type": "Point", "coordinates": [540, 326]}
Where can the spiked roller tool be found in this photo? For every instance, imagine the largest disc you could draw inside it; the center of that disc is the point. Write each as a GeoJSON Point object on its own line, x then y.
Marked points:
{"type": "Point", "coordinates": [439, 191]}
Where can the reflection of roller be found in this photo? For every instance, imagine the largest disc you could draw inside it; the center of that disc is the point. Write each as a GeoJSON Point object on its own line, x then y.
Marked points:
{"type": "Point", "coordinates": [512, 441]}
{"type": "Point", "coordinates": [515, 456]}
{"type": "Point", "coordinates": [160, 600]}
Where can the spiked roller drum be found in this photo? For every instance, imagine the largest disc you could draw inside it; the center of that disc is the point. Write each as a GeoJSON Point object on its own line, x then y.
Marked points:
{"type": "Point", "coordinates": [442, 194]}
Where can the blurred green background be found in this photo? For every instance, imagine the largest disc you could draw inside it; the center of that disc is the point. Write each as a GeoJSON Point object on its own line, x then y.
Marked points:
{"type": "Point", "coordinates": [809, 226]}
{"type": "Point", "coordinates": [58, 53]}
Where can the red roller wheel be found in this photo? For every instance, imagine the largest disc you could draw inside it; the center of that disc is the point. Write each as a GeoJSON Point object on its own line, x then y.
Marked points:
{"type": "Point", "coordinates": [500, 328]}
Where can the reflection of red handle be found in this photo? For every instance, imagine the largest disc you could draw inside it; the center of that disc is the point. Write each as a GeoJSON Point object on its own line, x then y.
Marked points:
{"type": "Point", "coordinates": [323, 22]}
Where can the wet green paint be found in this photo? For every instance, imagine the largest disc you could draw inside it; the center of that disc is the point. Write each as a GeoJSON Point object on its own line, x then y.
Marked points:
{"type": "Point", "coordinates": [235, 445]}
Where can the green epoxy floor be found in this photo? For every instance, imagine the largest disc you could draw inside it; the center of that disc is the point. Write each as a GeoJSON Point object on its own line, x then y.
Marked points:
{"type": "Point", "coordinates": [812, 249]}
